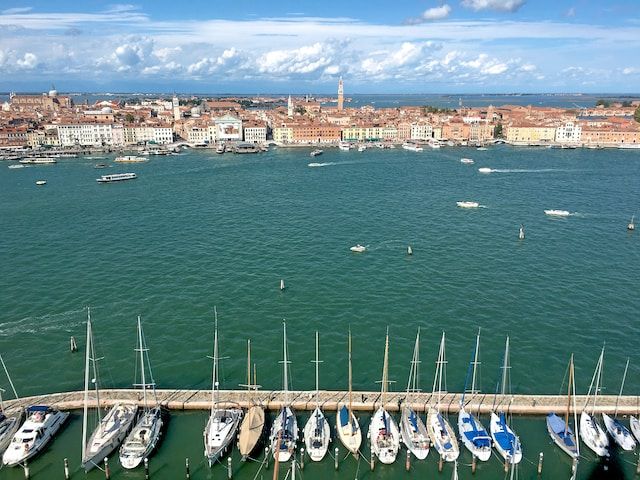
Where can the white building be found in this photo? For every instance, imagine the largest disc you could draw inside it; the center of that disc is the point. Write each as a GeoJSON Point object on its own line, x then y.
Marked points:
{"type": "Point", "coordinates": [85, 134]}
{"type": "Point", "coordinates": [228, 128]}
{"type": "Point", "coordinates": [421, 131]}
{"type": "Point", "coordinates": [198, 135]}
{"type": "Point", "coordinates": [255, 133]}
{"type": "Point", "coordinates": [135, 134]}
{"type": "Point", "coordinates": [568, 133]}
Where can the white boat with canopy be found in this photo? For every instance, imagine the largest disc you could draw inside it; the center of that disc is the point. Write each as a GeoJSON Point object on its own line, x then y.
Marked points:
{"type": "Point", "coordinates": [620, 434]}
{"type": "Point", "coordinates": [347, 424]}
{"type": "Point", "coordinates": [559, 429]}
{"type": "Point", "coordinates": [412, 429]}
{"type": "Point", "coordinates": [252, 426]}
{"type": "Point", "coordinates": [591, 432]}
{"type": "Point", "coordinates": [144, 437]}
{"type": "Point", "coordinates": [112, 428]}
{"type": "Point", "coordinates": [442, 436]}
{"type": "Point", "coordinates": [472, 433]}
{"type": "Point", "coordinates": [317, 433]}
{"type": "Point", "coordinates": [223, 423]}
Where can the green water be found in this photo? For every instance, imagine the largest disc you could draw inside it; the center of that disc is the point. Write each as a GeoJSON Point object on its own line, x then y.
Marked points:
{"type": "Point", "coordinates": [200, 229]}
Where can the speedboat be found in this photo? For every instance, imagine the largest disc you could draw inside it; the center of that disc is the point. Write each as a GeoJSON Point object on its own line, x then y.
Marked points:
{"type": "Point", "coordinates": [630, 226]}
{"type": "Point", "coordinates": [468, 204]}
{"type": "Point", "coordinates": [481, 149]}
{"type": "Point", "coordinates": [442, 436]}
{"type": "Point", "coordinates": [505, 440]}
{"type": "Point", "coordinates": [316, 152]}
{"type": "Point", "coordinates": [467, 161]}
{"type": "Point", "coordinates": [557, 213]}
{"type": "Point", "coordinates": [474, 436]}
{"type": "Point", "coordinates": [317, 435]}
{"type": "Point", "coordinates": [130, 159]}
{"type": "Point", "coordinates": [619, 433]}
{"type": "Point", "coordinates": [16, 166]}
{"type": "Point", "coordinates": [562, 435]}
{"type": "Point", "coordinates": [39, 161]}
{"type": "Point", "coordinates": [109, 434]}
{"type": "Point", "coordinates": [358, 248]}
{"type": "Point", "coordinates": [142, 440]}
{"type": "Point", "coordinates": [485, 170]}
{"type": "Point", "coordinates": [362, 148]}
{"type": "Point", "coordinates": [414, 433]}
{"type": "Point", "coordinates": [344, 146]}
{"type": "Point", "coordinates": [284, 433]}
{"type": "Point", "coordinates": [593, 436]}
{"type": "Point", "coordinates": [384, 436]}
{"type": "Point", "coordinates": [41, 182]}
{"type": "Point", "coordinates": [220, 148]}
{"type": "Point", "coordinates": [100, 165]}
{"type": "Point", "coordinates": [41, 425]}
{"type": "Point", "coordinates": [413, 147]}
{"type": "Point", "coordinates": [116, 177]}
{"type": "Point", "coordinates": [9, 424]}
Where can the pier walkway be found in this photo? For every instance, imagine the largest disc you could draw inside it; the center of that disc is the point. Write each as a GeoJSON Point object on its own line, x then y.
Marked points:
{"type": "Point", "coordinates": [329, 400]}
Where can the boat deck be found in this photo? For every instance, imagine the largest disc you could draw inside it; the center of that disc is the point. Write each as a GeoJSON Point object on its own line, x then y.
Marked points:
{"type": "Point", "coordinates": [176, 399]}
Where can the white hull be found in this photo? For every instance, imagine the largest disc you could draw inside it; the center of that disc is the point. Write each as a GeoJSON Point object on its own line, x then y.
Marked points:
{"type": "Point", "coordinates": [33, 436]}
{"type": "Point", "coordinates": [349, 431]}
{"type": "Point", "coordinates": [474, 436]}
{"type": "Point", "coordinates": [557, 213]}
{"type": "Point", "coordinates": [220, 432]}
{"type": "Point", "coordinates": [593, 436]}
{"type": "Point", "coordinates": [505, 440]}
{"type": "Point", "coordinates": [284, 428]}
{"type": "Point", "coordinates": [619, 433]}
{"type": "Point", "coordinates": [384, 436]}
{"type": "Point", "coordinates": [414, 434]}
{"type": "Point", "coordinates": [142, 440]}
{"type": "Point", "coordinates": [468, 204]}
{"type": "Point", "coordinates": [9, 425]}
{"type": "Point", "coordinates": [634, 423]}
{"type": "Point", "coordinates": [442, 436]}
{"type": "Point", "coordinates": [109, 434]}
{"type": "Point", "coordinates": [317, 435]}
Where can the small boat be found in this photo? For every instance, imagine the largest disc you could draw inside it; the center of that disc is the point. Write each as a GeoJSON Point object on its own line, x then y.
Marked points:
{"type": "Point", "coordinates": [521, 233]}
{"type": "Point", "coordinates": [504, 438]}
{"type": "Point", "coordinates": [347, 424]}
{"type": "Point", "coordinates": [468, 204]}
{"type": "Point", "coordinates": [13, 167]}
{"type": "Point", "coordinates": [145, 435]}
{"type": "Point", "coordinates": [467, 161]}
{"type": "Point", "coordinates": [220, 148]}
{"type": "Point", "coordinates": [362, 148]}
{"type": "Point", "coordinates": [284, 430]}
{"type": "Point", "coordinates": [9, 422]}
{"type": "Point", "coordinates": [620, 434]}
{"type": "Point", "coordinates": [116, 177]}
{"type": "Point", "coordinates": [41, 182]}
{"type": "Point", "coordinates": [317, 433]}
{"type": "Point", "coordinates": [316, 152]}
{"type": "Point", "coordinates": [282, 287]}
{"type": "Point", "coordinates": [559, 429]}
{"type": "Point", "coordinates": [41, 425]}
{"type": "Point", "coordinates": [39, 161]}
{"type": "Point", "coordinates": [630, 226]}
{"type": "Point", "coordinates": [472, 433]}
{"type": "Point", "coordinates": [485, 170]}
{"type": "Point", "coordinates": [634, 423]}
{"type": "Point", "coordinates": [557, 213]}
{"type": "Point", "coordinates": [434, 145]}
{"type": "Point", "coordinates": [412, 147]}
{"type": "Point", "coordinates": [358, 248]}
{"type": "Point", "coordinates": [481, 149]}
{"type": "Point", "coordinates": [100, 165]}
{"type": "Point", "coordinates": [442, 436]}
{"type": "Point", "coordinates": [591, 432]}
{"type": "Point", "coordinates": [223, 423]}
{"type": "Point", "coordinates": [252, 426]}
{"type": "Point", "coordinates": [73, 345]}
{"type": "Point", "coordinates": [409, 250]}
{"type": "Point", "coordinates": [130, 159]}
{"type": "Point", "coordinates": [412, 429]}
{"type": "Point", "coordinates": [344, 146]}
{"type": "Point", "coordinates": [383, 431]}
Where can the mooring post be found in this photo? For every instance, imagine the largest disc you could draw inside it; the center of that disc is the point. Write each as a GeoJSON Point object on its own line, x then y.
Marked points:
{"type": "Point", "coordinates": [302, 458]}
{"type": "Point", "coordinates": [146, 468]}
{"type": "Point", "coordinates": [407, 464]}
{"type": "Point", "coordinates": [372, 460]}
{"type": "Point", "coordinates": [540, 463]}
{"type": "Point", "coordinates": [229, 469]}
{"type": "Point", "coordinates": [186, 464]}
{"type": "Point", "coordinates": [474, 461]}
{"type": "Point", "coordinates": [66, 469]}
{"type": "Point", "coordinates": [293, 468]}
{"type": "Point", "coordinates": [335, 458]}
{"type": "Point", "coordinates": [266, 458]}
{"type": "Point", "coordinates": [440, 464]}
{"type": "Point", "coordinates": [506, 466]}
{"type": "Point", "coordinates": [107, 472]}
{"type": "Point", "coordinates": [26, 471]}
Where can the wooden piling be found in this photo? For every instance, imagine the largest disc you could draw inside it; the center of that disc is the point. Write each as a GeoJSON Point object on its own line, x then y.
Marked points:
{"type": "Point", "coordinates": [229, 468]}
{"type": "Point", "coordinates": [335, 458]}
{"type": "Point", "coordinates": [266, 458]}
{"type": "Point", "coordinates": [66, 469]}
{"type": "Point", "coordinates": [407, 463]}
{"type": "Point", "coordinates": [474, 464]}
{"type": "Point", "coordinates": [302, 458]}
{"type": "Point", "coordinates": [186, 464]}
{"type": "Point", "coordinates": [107, 472]}
{"type": "Point", "coordinates": [146, 468]}
{"type": "Point", "coordinates": [27, 474]}
{"type": "Point", "coordinates": [540, 458]}
{"type": "Point", "coordinates": [440, 464]}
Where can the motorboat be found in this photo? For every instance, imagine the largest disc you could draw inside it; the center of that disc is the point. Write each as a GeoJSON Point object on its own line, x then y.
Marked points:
{"type": "Point", "coordinates": [557, 213]}
{"type": "Point", "coordinates": [362, 148]}
{"type": "Point", "coordinates": [630, 226]}
{"type": "Point", "coordinates": [316, 152]}
{"type": "Point", "coordinates": [434, 145]}
{"type": "Point", "coordinates": [16, 166]}
{"type": "Point", "coordinates": [481, 149]}
{"type": "Point", "coordinates": [9, 424]}
{"type": "Point", "coordinates": [412, 147]}
{"type": "Point", "coordinates": [41, 182]}
{"type": "Point", "coordinates": [485, 170]}
{"type": "Point", "coordinates": [467, 161]}
{"type": "Point", "coordinates": [39, 161]}
{"type": "Point", "coordinates": [220, 148]}
{"type": "Point", "coordinates": [131, 159]}
{"type": "Point", "coordinates": [344, 146]}
{"type": "Point", "coordinates": [620, 434]}
{"type": "Point", "coordinates": [100, 165]}
{"type": "Point", "coordinates": [468, 204]}
{"type": "Point", "coordinates": [358, 248]}
{"type": "Point", "coordinates": [384, 436]}
{"type": "Point", "coordinates": [41, 425]}
{"type": "Point", "coordinates": [116, 177]}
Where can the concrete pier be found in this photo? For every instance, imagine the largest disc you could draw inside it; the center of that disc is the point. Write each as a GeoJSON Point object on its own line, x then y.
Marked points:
{"type": "Point", "coordinates": [329, 400]}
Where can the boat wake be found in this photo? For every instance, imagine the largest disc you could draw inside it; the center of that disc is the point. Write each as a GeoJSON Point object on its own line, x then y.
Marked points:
{"type": "Point", "coordinates": [65, 321]}
{"type": "Point", "coordinates": [519, 170]}
{"type": "Point", "coordinates": [326, 164]}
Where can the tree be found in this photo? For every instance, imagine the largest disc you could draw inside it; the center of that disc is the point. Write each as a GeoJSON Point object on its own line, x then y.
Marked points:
{"type": "Point", "coordinates": [603, 102]}
{"type": "Point", "coordinates": [129, 118]}
{"type": "Point", "coordinates": [300, 109]}
{"type": "Point", "coordinates": [626, 103]}
{"type": "Point", "coordinates": [636, 114]}
{"type": "Point", "coordinates": [497, 132]}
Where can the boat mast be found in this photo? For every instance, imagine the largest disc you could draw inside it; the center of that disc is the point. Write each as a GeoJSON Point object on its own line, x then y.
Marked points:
{"type": "Point", "coordinates": [471, 371]}
{"type": "Point", "coordinates": [475, 364]}
{"type": "Point", "coordinates": [8, 377]}
{"type": "Point", "coordinates": [575, 414]}
{"type": "Point", "coordinates": [142, 378]}
{"type": "Point", "coordinates": [86, 385]}
{"type": "Point", "coordinates": [624, 377]}
{"type": "Point", "coordinates": [350, 378]}
{"type": "Point", "coordinates": [385, 365]}
{"type": "Point", "coordinates": [214, 379]}
{"type": "Point", "coordinates": [284, 364]}
{"type": "Point", "coordinates": [412, 384]}
{"type": "Point", "coordinates": [505, 368]}
{"type": "Point", "coordinates": [571, 382]}
{"type": "Point", "coordinates": [598, 380]}
{"type": "Point", "coordinates": [95, 375]}
{"type": "Point", "coordinates": [439, 366]}
{"type": "Point", "coordinates": [249, 364]}
{"type": "Point", "coordinates": [316, 361]}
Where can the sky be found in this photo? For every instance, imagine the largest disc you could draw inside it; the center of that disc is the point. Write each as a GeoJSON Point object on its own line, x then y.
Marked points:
{"type": "Point", "coordinates": [304, 46]}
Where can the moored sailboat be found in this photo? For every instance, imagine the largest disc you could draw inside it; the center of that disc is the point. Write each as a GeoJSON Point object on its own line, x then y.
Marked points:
{"type": "Point", "coordinates": [9, 421]}
{"type": "Point", "coordinates": [442, 435]}
{"type": "Point", "coordinates": [590, 430]}
{"type": "Point", "coordinates": [145, 435]}
{"type": "Point", "coordinates": [559, 429]}
{"type": "Point", "coordinates": [620, 434]}
{"type": "Point", "coordinates": [223, 423]}
{"type": "Point", "coordinates": [252, 426]}
{"type": "Point", "coordinates": [347, 424]}
{"type": "Point", "coordinates": [317, 433]}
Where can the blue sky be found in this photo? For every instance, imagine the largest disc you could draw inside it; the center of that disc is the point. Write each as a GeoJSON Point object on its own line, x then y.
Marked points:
{"type": "Point", "coordinates": [401, 46]}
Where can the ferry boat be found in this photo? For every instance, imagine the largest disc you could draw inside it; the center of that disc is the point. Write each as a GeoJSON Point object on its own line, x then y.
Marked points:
{"type": "Point", "coordinates": [116, 177]}
{"type": "Point", "coordinates": [130, 159]}
{"type": "Point", "coordinates": [39, 161]}
{"type": "Point", "coordinates": [412, 147]}
{"type": "Point", "coordinates": [468, 204]}
{"type": "Point", "coordinates": [316, 152]}
{"type": "Point", "coordinates": [41, 425]}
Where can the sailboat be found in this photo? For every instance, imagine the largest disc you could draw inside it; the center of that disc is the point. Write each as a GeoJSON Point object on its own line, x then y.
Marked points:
{"type": "Point", "coordinates": [144, 437]}
{"type": "Point", "coordinates": [9, 422]}
{"type": "Point", "coordinates": [284, 431]}
{"type": "Point", "coordinates": [346, 422]}
{"type": "Point", "coordinates": [317, 433]}
{"type": "Point", "coordinates": [559, 429]}
{"type": "Point", "coordinates": [472, 433]}
{"type": "Point", "coordinates": [223, 423]}
{"type": "Point", "coordinates": [383, 431]}
{"type": "Point", "coordinates": [590, 430]}
{"type": "Point", "coordinates": [504, 438]}
{"type": "Point", "coordinates": [412, 429]}
{"type": "Point", "coordinates": [111, 429]}
{"type": "Point", "coordinates": [253, 423]}
{"type": "Point", "coordinates": [620, 434]}
{"type": "Point", "coordinates": [442, 435]}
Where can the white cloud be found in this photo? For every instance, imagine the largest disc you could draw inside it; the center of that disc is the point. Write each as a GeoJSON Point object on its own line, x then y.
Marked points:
{"type": "Point", "coordinates": [132, 53]}
{"type": "Point", "coordinates": [499, 5]}
{"type": "Point", "coordinates": [528, 67]}
{"type": "Point", "coordinates": [230, 59]}
{"type": "Point", "coordinates": [16, 10]}
{"type": "Point", "coordinates": [437, 13]}
{"type": "Point", "coordinates": [28, 61]}
{"type": "Point", "coordinates": [303, 60]}
{"type": "Point", "coordinates": [625, 71]}
{"type": "Point", "coordinates": [165, 53]}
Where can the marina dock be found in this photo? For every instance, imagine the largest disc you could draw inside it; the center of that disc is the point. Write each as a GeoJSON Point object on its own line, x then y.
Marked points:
{"type": "Point", "coordinates": [329, 400]}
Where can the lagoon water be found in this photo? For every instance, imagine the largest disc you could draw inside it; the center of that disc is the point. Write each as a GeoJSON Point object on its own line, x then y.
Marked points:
{"type": "Point", "coordinates": [200, 229]}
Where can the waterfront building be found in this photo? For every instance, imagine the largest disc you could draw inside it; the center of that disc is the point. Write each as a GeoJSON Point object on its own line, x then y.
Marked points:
{"type": "Point", "coordinates": [46, 101]}
{"type": "Point", "coordinates": [340, 95]}
{"type": "Point", "coordinates": [316, 133]}
{"type": "Point", "coordinates": [138, 134]}
{"type": "Point", "coordinates": [568, 132]}
{"type": "Point", "coordinates": [255, 132]}
{"type": "Point", "coordinates": [198, 135]}
{"type": "Point", "coordinates": [283, 134]}
{"type": "Point", "coordinates": [13, 137]}
{"type": "Point", "coordinates": [85, 134]}
{"type": "Point", "coordinates": [526, 133]}
{"type": "Point", "coordinates": [421, 131]}
{"type": "Point", "coordinates": [228, 128]}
